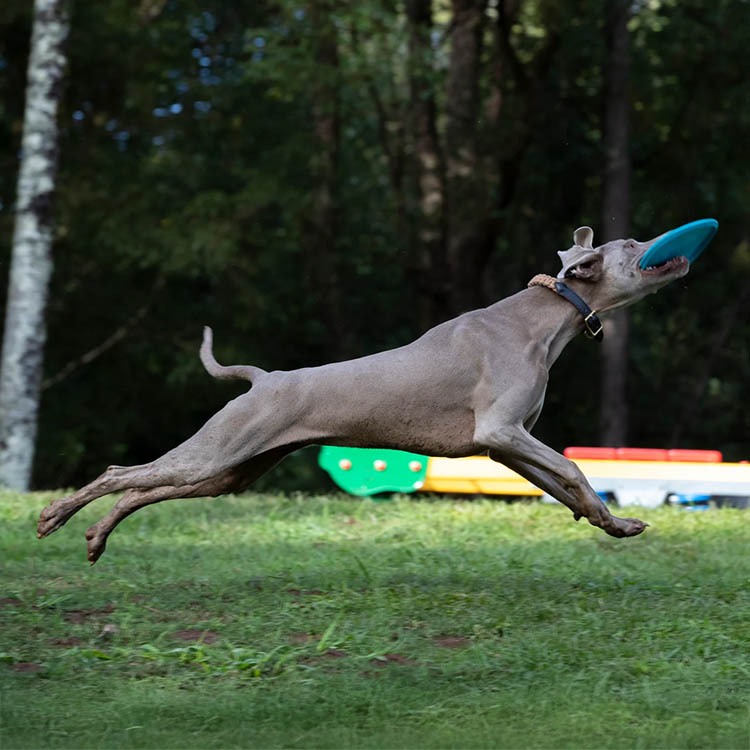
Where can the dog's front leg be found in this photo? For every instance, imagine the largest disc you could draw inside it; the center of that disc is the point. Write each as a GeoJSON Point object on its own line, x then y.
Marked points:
{"type": "Point", "coordinates": [543, 480]}
{"type": "Point", "coordinates": [558, 476]}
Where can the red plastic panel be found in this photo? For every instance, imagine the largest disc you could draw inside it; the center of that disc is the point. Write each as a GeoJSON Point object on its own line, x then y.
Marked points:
{"type": "Point", "coordinates": [709, 457]}
{"type": "Point", "coordinates": [603, 454]}
{"type": "Point", "coordinates": [642, 454]}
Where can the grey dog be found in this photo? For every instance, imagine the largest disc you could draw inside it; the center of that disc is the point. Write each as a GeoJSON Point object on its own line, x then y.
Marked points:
{"type": "Point", "coordinates": [472, 385]}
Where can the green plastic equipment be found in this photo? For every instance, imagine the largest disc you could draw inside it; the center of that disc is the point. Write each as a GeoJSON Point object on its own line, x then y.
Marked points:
{"type": "Point", "coordinates": [368, 471]}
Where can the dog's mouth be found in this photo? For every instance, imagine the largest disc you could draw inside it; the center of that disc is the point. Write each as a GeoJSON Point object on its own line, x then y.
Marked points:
{"type": "Point", "coordinates": [680, 264]}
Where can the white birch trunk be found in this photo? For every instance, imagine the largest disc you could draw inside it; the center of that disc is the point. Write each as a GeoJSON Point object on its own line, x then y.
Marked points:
{"type": "Point", "coordinates": [31, 263]}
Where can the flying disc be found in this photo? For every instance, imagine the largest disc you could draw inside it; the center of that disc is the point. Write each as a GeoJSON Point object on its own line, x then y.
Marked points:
{"type": "Point", "coordinates": [689, 241]}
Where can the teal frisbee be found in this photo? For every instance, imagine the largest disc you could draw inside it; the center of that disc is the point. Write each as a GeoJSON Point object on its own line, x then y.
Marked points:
{"type": "Point", "coordinates": [689, 241]}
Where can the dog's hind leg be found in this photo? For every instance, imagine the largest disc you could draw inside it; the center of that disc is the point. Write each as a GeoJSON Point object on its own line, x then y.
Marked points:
{"type": "Point", "coordinates": [114, 479]}
{"type": "Point", "coordinates": [232, 436]}
{"type": "Point", "coordinates": [235, 479]}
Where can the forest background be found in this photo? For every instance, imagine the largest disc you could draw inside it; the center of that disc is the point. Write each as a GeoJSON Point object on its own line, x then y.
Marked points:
{"type": "Point", "coordinates": [320, 180]}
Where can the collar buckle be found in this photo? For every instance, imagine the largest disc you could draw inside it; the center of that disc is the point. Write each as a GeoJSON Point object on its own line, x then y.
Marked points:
{"type": "Point", "coordinates": [594, 328]}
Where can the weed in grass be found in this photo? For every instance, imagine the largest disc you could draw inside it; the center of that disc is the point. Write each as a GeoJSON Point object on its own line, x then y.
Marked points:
{"type": "Point", "coordinates": [328, 621]}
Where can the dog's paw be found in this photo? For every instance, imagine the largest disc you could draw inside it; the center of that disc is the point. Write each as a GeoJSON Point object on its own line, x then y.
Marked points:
{"type": "Point", "coordinates": [53, 517]}
{"type": "Point", "coordinates": [621, 527]}
{"type": "Point", "coordinates": [96, 542]}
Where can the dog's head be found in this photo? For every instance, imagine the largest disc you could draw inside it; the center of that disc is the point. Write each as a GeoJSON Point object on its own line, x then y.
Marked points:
{"type": "Point", "coordinates": [612, 270]}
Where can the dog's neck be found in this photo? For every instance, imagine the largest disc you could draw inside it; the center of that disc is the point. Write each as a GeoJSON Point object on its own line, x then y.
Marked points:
{"type": "Point", "coordinates": [593, 328]}
{"type": "Point", "coordinates": [551, 320]}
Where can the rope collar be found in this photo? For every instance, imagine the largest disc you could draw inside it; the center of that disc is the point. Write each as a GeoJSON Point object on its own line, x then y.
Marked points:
{"type": "Point", "coordinates": [593, 328]}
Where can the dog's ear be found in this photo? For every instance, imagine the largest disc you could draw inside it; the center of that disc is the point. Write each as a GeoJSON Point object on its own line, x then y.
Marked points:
{"type": "Point", "coordinates": [584, 237]}
{"type": "Point", "coordinates": [580, 264]}
{"type": "Point", "coordinates": [587, 268]}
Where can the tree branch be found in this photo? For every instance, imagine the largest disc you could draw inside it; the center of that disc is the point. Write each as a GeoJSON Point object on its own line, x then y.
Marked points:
{"type": "Point", "coordinates": [115, 337]}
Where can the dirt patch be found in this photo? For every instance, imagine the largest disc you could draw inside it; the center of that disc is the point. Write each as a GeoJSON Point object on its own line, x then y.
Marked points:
{"type": "Point", "coordinates": [10, 602]}
{"type": "Point", "coordinates": [192, 635]}
{"type": "Point", "coordinates": [451, 641]}
{"type": "Point", "coordinates": [80, 616]}
{"type": "Point", "coordinates": [26, 666]}
{"type": "Point", "coordinates": [385, 661]}
{"type": "Point", "coordinates": [66, 642]}
{"type": "Point", "coordinates": [331, 653]}
{"type": "Point", "coordinates": [299, 592]}
{"type": "Point", "coordinates": [299, 639]}
{"type": "Point", "coordinates": [159, 613]}
{"type": "Point", "coordinates": [393, 658]}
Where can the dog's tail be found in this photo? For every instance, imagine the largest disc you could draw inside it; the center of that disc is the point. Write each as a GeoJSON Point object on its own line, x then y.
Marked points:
{"type": "Point", "coordinates": [232, 372]}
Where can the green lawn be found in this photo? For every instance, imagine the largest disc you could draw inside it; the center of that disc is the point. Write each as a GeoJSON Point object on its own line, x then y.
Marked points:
{"type": "Point", "coordinates": [328, 621]}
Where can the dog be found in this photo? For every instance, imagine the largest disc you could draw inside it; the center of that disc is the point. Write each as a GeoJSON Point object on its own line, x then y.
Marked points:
{"type": "Point", "coordinates": [471, 385]}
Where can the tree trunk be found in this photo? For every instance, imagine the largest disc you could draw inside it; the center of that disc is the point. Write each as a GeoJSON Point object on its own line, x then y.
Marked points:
{"type": "Point", "coordinates": [615, 217]}
{"type": "Point", "coordinates": [431, 277]}
{"type": "Point", "coordinates": [467, 190]}
{"type": "Point", "coordinates": [31, 263]}
{"type": "Point", "coordinates": [322, 224]}
{"type": "Point", "coordinates": [685, 421]}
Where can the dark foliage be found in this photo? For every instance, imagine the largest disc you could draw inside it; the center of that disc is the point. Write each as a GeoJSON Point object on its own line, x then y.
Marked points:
{"type": "Point", "coordinates": [208, 147]}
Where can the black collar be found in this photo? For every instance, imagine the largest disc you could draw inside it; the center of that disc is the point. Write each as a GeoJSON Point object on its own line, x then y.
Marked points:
{"type": "Point", "coordinates": [593, 328]}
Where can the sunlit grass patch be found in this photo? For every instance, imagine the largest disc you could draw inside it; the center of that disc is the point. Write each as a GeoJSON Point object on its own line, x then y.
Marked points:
{"type": "Point", "coordinates": [330, 621]}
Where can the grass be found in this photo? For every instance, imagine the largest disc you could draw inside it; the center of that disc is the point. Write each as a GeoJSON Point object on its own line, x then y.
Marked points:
{"type": "Point", "coordinates": [270, 621]}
